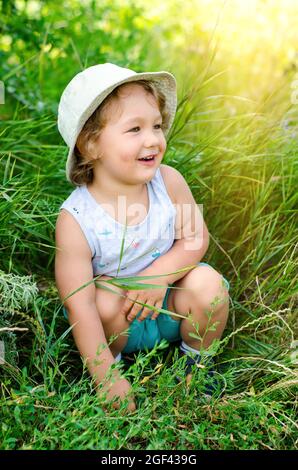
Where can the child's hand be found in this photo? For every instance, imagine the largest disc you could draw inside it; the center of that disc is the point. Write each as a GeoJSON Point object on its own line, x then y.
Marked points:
{"type": "Point", "coordinates": [117, 391]}
{"type": "Point", "coordinates": [153, 297]}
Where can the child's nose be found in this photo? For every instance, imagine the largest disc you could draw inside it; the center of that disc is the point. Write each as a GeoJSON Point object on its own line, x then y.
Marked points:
{"type": "Point", "coordinates": [152, 138]}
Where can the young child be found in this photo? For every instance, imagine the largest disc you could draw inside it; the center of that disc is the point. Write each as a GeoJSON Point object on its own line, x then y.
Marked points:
{"type": "Point", "coordinates": [130, 215]}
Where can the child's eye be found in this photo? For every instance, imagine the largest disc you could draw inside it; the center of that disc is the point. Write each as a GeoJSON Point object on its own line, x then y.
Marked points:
{"type": "Point", "coordinates": [134, 128]}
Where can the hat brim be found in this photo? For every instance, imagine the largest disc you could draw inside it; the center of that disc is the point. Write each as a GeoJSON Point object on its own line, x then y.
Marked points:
{"type": "Point", "coordinates": [164, 81]}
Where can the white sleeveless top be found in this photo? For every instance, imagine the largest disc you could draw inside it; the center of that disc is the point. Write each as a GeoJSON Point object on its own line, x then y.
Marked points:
{"type": "Point", "coordinates": [142, 243]}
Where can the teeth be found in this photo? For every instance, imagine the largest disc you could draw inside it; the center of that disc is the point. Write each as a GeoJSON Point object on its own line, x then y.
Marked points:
{"type": "Point", "coordinates": [147, 158]}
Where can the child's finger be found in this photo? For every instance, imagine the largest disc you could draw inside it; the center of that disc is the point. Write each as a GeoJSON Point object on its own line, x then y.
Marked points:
{"type": "Point", "coordinates": [156, 312]}
{"type": "Point", "coordinates": [135, 309]}
{"type": "Point", "coordinates": [128, 303]}
{"type": "Point", "coordinates": [146, 311]}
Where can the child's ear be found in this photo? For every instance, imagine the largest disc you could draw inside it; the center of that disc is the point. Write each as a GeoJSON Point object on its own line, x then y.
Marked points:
{"type": "Point", "coordinates": [92, 150]}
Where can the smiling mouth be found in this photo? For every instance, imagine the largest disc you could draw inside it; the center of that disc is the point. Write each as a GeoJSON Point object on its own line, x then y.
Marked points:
{"type": "Point", "coordinates": [147, 159]}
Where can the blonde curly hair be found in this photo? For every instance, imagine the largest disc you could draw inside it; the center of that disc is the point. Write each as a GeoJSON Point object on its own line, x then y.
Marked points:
{"type": "Point", "coordinates": [82, 170]}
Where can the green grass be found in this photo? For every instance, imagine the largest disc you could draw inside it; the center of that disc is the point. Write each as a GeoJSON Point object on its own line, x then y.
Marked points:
{"type": "Point", "coordinates": [240, 161]}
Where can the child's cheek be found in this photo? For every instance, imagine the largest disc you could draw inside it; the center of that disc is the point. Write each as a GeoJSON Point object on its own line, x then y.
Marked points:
{"type": "Point", "coordinates": [127, 158]}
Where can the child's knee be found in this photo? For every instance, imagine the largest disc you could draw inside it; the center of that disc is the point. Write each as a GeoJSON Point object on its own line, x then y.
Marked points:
{"type": "Point", "coordinates": [109, 304]}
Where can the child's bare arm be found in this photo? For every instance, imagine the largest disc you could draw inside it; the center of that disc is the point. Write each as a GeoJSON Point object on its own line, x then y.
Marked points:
{"type": "Point", "coordinates": [73, 268]}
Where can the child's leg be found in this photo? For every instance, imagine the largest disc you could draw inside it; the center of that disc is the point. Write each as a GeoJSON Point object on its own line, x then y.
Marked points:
{"type": "Point", "coordinates": [206, 293]}
{"type": "Point", "coordinates": [109, 306]}
{"type": "Point", "coordinates": [142, 335]}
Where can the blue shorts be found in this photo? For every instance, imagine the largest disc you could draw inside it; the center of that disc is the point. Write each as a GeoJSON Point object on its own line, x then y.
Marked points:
{"type": "Point", "coordinates": [146, 334]}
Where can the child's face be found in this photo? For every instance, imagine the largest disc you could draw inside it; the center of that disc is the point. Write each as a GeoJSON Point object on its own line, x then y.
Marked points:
{"type": "Point", "coordinates": [133, 131]}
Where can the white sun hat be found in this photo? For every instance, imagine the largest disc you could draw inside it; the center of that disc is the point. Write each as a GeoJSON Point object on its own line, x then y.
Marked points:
{"type": "Point", "coordinates": [89, 88]}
